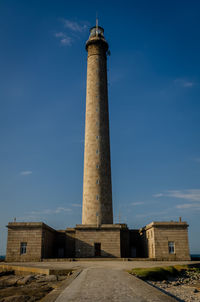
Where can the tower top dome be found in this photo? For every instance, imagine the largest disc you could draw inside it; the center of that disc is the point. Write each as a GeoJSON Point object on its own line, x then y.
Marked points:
{"type": "Point", "coordinates": [96, 31]}
{"type": "Point", "coordinates": [97, 37]}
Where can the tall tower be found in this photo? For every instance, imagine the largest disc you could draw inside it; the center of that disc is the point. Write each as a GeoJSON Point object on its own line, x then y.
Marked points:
{"type": "Point", "coordinates": [97, 188]}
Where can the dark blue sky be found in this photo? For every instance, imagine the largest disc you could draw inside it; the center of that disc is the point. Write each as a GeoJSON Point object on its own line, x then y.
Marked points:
{"type": "Point", "coordinates": [154, 88]}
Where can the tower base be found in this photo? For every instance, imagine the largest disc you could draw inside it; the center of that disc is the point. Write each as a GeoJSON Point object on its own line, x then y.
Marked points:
{"type": "Point", "coordinates": [107, 240]}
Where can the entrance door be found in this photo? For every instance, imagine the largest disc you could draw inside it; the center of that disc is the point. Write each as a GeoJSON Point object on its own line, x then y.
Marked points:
{"type": "Point", "coordinates": [133, 252]}
{"type": "Point", "coordinates": [97, 249]}
{"type": "Point", "coordinates": [61, 252]}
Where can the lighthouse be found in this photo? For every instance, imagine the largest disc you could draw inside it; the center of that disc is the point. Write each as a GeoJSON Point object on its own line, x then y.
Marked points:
{"type": "Point", "coordinates": [97, 188]}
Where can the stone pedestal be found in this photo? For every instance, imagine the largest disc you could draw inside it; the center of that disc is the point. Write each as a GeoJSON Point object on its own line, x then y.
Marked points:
{"type": "Point", "coordinates": [102, 241]}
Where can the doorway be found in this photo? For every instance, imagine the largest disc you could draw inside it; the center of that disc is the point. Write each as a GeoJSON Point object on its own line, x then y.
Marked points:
{"type": "Point", "coordinates": [97, 249]}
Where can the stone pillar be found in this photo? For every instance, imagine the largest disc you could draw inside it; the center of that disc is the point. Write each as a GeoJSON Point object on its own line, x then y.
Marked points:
{"type": "Point", "coordinates": [97, 190]}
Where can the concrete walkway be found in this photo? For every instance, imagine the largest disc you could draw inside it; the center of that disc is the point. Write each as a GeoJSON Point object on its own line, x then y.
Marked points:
{"type": "Point", "coordinates": [107, 285]}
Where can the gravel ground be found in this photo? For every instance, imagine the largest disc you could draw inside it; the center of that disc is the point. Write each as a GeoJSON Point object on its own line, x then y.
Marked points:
{"type": "Point", "coordinates": [185, 287]}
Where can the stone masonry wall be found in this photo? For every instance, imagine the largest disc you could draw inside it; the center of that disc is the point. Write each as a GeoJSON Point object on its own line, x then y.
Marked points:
{"type": "Point", "coordinates": [97, 191]}
{"type": "Point", "coordinates": [28, 233]}
{"type": "Point", "coordinates": [125, 243]}
{"type": "Point", "coordinates": [150, 243]}
{"type": "Point", "coordinates": [70, 242]}
{"type": "Point", "coordinates": [48, 243]}
{"type": "Point", "coordinates": [109, 239]}
{"type": "Point", "coordinates": [180, 238]}
{"type": "Point", "coordinates": [160, 234]}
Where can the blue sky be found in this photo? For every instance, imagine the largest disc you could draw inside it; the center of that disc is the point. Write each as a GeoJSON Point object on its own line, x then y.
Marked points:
{"type": "Point", "coordinates": [154, 88]}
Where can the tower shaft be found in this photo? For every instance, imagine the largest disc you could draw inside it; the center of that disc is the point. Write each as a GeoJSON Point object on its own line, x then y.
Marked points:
{"type": "Point", "coordinates": [97, 189]}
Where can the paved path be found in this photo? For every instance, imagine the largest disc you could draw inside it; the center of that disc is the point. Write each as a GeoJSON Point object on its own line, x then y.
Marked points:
{"type": "Point", "coordinates": [110, 285]}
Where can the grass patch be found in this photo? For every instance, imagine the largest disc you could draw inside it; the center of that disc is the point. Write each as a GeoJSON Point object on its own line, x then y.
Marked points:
{"type": "Point", "coordinates": [159, 273]}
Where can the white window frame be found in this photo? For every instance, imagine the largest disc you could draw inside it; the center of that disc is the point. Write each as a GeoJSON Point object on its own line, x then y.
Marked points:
{"type": "Point", "coordinates": [171, 247]}
{"type": "Point", "coordinates": [23, 248]}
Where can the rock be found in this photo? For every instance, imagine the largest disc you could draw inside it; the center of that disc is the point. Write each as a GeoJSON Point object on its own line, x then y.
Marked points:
{"type": "Point", "coordinates": [177, 283]}
{"type": "Point", "coordinates": [12, 280]}
{"type": "Point", "coordinates": [50, 278]}
{"type": "Point", "coordinates": [172, 279]}
{"type": "Point", "coordinates": [22, 298]}
{"type": "Point", "coordinates": [195, 290]}
{"type": "Point", "coordinates": [3, 280]}
{"type": "Point", "coordinates": [9, 280]}
{"type": "Point", "coordinates": [25, 280]}
{"type": "Point", "coordinates": [5, 273]}
{"type": "Point", "coordinates": [39, 276]}
{"type": "Point", "coordinates": [61, 278]}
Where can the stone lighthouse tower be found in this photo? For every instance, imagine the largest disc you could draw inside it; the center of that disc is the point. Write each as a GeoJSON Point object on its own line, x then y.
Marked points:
{"type": "Point", "coordinates": [97, 189]}
{"type": "Point", "coordinates": [97, 236]}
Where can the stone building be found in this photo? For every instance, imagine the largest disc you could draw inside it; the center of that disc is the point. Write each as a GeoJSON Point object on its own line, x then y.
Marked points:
{"type": "Point", "coordinates": [34, 241]}
{"type": "Point", "coordinates": [97, 236]}
{"type": "Point", "coordinates": [166, 240]}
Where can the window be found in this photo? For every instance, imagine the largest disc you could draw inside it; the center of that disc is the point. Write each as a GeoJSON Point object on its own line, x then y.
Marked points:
{"type": "Point", "coordinates": [23, 246]}
{"type": "Point", "coordinates": [97, 166]}
{"type": "Point", "coordinates": [97, 151]}
{"type": "Point", "coordinates": [97, 137]}
{"type": "Point", "coordinates": [97, 182]}
{"type": "Point", "coordinates": [97, 109]}
{"type": "Point", "coordinates": [171, 247]}
{"type": "Point", "coordinates": [97, 197]}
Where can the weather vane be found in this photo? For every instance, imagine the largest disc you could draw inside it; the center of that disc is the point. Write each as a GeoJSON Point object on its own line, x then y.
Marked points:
{"type": "Point", "coordinates": [96, 24]}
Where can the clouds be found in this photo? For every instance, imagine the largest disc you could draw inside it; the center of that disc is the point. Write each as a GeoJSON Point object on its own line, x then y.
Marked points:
{"type": "Point", "coordinates": [58, 210]}
{"type": "Point", "coordinates": [25, 173]}
{"type": "Point", "coordinates": [139, 203]}
{"type": "Point", "coordinates": [169, 203]}
{"type": "Point", "coordinates": [64, 39]}
{"type": "Point", "coordinates": [71, 31]}
{"type": "Point", "coordinates": [195, 206]}
{"type": "Point", "coordinates": [158, 195]}
{"type": "Point", "coordinates": [153, 214]}
{"type": "Point", "coordinates": [197, 159]}
{"type": "Point", "coordinates": [74, 26]}
{"type": "Point", "coordinates": [188, 84]}
{"type": "Point", "coordinates": [184, 83]}
{"type": "Point", "coordinates": [190, 195]}
{"type": "Point", "coordinates": [76, 205]}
